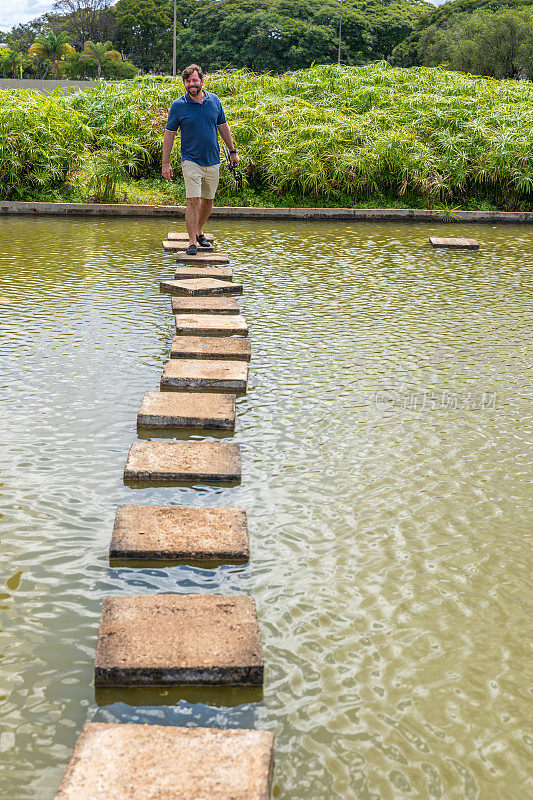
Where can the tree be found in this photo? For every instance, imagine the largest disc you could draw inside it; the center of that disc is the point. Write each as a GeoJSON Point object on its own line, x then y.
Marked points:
{"type": "Point", "coordinates": [409, 52]}
{"type": "Point", "coordinates": [100, 52]}
{"type": "Point", "coordinates": [12, 63]}
{"type": "Point", "coordinates": [76, 67]}
{"type": "Point", "coordinates": [497, 44]}
{"type": "Point", "coordinates": [86, 20]}
{"type": "Point", "coordinates": [144, 31]}
{"type": "Point", "coordinates": [279, 35]}
{"type": "Point", "coordinates": [50, 47]}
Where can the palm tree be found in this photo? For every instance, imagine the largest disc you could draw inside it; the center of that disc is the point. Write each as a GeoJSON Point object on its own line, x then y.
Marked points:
{"type": "Point", "coordinates": [100, 52]}
{"type": "Point", "coordinates": [13, 62]}
{"type": "Point", "coordinates": [52, 48]}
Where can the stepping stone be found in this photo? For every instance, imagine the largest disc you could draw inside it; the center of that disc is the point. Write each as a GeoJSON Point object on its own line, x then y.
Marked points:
{"type": "Point", "coordinates": [205, 258]}
{"type": "Point", "coordinates": [211, 324]}
{"type": "Point", "coordinates": [454, 244]}
{"type": "Point", "coordinates": [171, 462]}
{"type": "Point", "coordinates": [113, 761]}
{"type": "Point", "coordinates": [177, 533]}
{"type": "Point", "coordinates": [219, 273]}
{"type": "Point", "coordinates": [200, 287]}
{"type": "Point", "coordinates": [184, 236]}
{"type": "Point", "coordinates": [211, 347]}
{"type": "Point", "coordinates": [177, 639]}
{"type": "Point", "coordinates": [172, 245]}
{"type": "Point", "coordinates": [184, 410]}
{"type": "Point", "coordinates": [204, 305]}
{"type": "Point", "coordinates": [181, 373]}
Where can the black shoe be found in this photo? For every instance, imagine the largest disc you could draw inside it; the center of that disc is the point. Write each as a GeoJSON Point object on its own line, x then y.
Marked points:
{"type": "Point", "coordinates": [191, 250]}
{"type": "Point", "coordinates": [202, 241]}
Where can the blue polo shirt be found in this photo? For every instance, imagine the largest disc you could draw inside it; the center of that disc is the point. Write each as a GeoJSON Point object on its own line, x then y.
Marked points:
{"type": "Point", "coordinates": [198, 128]}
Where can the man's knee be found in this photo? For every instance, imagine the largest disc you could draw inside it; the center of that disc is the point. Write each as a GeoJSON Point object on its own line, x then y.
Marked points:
{"type": "Point", "coordinates": [193, 201]}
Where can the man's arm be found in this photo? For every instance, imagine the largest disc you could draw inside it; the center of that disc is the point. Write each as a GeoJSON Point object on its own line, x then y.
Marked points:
{"type": "Point", "coordinates": [228, 141]}
{"type": "Point", "coordinates": [168, 141]}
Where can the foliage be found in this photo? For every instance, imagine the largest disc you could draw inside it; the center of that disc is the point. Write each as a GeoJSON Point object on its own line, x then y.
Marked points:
{"type": "Point", "coordinates": [12, 63]}
{"type": "Point", "coordinates": [273, 35]}
{"type": "Point", "coordinates": [85, 20]}
{"type": "Point", "coordinates": [144, 30]}
{"type": "Point", "coordinates": [498, 44]}
{"type": "Point", "coordinates": [326, 135]}
{"type": "Point", "coordinates": [338, 132]}
{"type": "Point", "coordinates": [78, 67]}
{"type": "Point", "coordinates": [409, 52]}
{"type": "Point", "coordinates": [41, 140]}
{"type": "Point", "coordinates": [100, 52]}
{"type": "Point", "coordinates": [49, 47]}
{"type": "Point", "coordinates": [101, 170]}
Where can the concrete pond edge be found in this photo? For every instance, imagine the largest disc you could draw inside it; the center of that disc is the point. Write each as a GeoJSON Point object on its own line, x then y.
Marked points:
{"type": "Point", "coordinates": [235, 212]}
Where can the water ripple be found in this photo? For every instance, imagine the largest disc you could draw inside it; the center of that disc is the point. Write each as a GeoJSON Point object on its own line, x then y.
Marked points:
{"type": "Point", "coordinates": [390, 561]}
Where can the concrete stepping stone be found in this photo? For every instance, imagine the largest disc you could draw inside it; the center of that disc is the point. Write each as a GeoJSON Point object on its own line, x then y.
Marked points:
{"type": "Point", "coordinates": [171, 462]}
{"type": "Point", "coordinates": [454, 244]}
{"type": "Point", "coordinates": [204, 258]}
{"type": "Point", "coordinates": [183, 373]}
{"type": "Point", "coordinates": [177, 533]}
{"type": "Point", "coordinates": [211, 324]}
{"type": "Point", "coordinates": [189, 273]}
{"type": "Point", "coordinates": [204, 305]}
{"type": "Point", "coordinates": [183, 236]}
{"type": "Point", "coordinates": [211, 347]}
{"type": "Point", "coordinates": [177, 639]}
{"type": "Point", "coordinates": [184, 410]}
{"type": "Point", "coordinates": [117, 761]}
{"type": "Point", "coordinates": [200, 287]}
{"type": "Point", "coordinates": [172, 245]}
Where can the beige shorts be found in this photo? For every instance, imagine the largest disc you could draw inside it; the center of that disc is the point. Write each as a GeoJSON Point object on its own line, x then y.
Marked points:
{"type": "Point", "coordinates": [200, 181]}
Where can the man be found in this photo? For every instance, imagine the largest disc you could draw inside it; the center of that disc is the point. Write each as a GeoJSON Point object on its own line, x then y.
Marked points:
{"type": "Point", "coordinates": [200, 117]}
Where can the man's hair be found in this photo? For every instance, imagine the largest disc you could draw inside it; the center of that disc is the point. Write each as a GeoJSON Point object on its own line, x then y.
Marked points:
{"type": "Point", "coordinates": [188, 71]}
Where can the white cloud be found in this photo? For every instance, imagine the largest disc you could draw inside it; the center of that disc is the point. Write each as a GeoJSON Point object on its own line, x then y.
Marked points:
{"type": "Point", "coordinates": [15, 12]}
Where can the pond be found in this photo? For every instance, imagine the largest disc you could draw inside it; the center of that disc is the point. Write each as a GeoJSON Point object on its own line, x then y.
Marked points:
{"type": "Point", "coordinates": [384, 476]}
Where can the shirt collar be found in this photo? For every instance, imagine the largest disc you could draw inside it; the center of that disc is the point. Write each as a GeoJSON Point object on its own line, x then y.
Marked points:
{"type": "Point", "coordinates": [188, 99]}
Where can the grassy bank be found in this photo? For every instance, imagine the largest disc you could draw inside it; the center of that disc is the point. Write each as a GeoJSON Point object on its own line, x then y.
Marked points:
{"type": "Point", "coordinates": [328, 136]}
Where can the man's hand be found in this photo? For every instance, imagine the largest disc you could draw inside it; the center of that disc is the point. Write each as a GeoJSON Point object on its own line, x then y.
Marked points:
{"type": "Point", "coordinates": [234, 159]}
{"type": "Point", "coordinates": [166, 171]}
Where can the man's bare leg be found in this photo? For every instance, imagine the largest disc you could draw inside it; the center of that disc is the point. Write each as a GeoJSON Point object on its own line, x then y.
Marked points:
{"type": "Point", "coordinates": [191, 217]}
{"type": "Point", "coordinates": [206, 206]}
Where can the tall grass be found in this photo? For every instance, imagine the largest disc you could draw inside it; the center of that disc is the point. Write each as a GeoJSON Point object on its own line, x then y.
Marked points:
{"type": "Point", "coordinates": [41, 140]}
{"type": "Point", "coordinates": [337, 132]}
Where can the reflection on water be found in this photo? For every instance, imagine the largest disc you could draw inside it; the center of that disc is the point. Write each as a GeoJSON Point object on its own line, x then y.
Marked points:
{"type": "Point", "coordinates": [389, 559]}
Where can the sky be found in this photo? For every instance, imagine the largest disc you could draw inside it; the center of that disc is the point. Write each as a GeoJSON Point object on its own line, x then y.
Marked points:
{"type": "Point", "coordinates": [15, 12]}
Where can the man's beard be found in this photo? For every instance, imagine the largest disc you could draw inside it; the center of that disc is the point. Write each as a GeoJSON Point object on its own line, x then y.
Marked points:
{"type": "Point", "coordinates": [194, 90]}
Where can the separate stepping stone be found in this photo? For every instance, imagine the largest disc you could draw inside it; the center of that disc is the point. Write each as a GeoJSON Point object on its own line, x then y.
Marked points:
{"type": "Point", "coordinates": [170, 246]}
{"type": "Point", "coordinates": [200, 287]}
{"type": "Point", "coordinates": [183, 410]}
{"type": "Point", "coordinates": [172, 462]}
{"type": "Point", "coordinates": [181, 373]}
{"type": "Point", "coordinates": [184, 237]}
{"type": "Point", "coordinates": [211, 347]}
{"type": "Point", "coordinates": [176, 639]}
{"type": "Point", "coordinates": [177, 533]}
{"type": "Point", "coordinates": [204, 305]}
{"type": "Point", "coordinates": [219, 273]}
{"type": "Point", "coordinates": [142, 762]}
{"type": "Point", "coordinates": [205, 258]}
{"type": "Point", "coordinates": [454, 244]}
{"type": "Point", "coordinates": [211, 324]}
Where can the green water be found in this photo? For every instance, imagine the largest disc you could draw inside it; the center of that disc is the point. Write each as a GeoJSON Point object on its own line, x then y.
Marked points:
{"type": "Point", "coordinates": [385, 464]}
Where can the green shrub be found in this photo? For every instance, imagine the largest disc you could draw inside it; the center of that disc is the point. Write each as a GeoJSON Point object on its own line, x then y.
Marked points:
{"type": "Point", "coordinates": [41, 140]}
{"type": "Point", "coordinates": [326, 134]}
